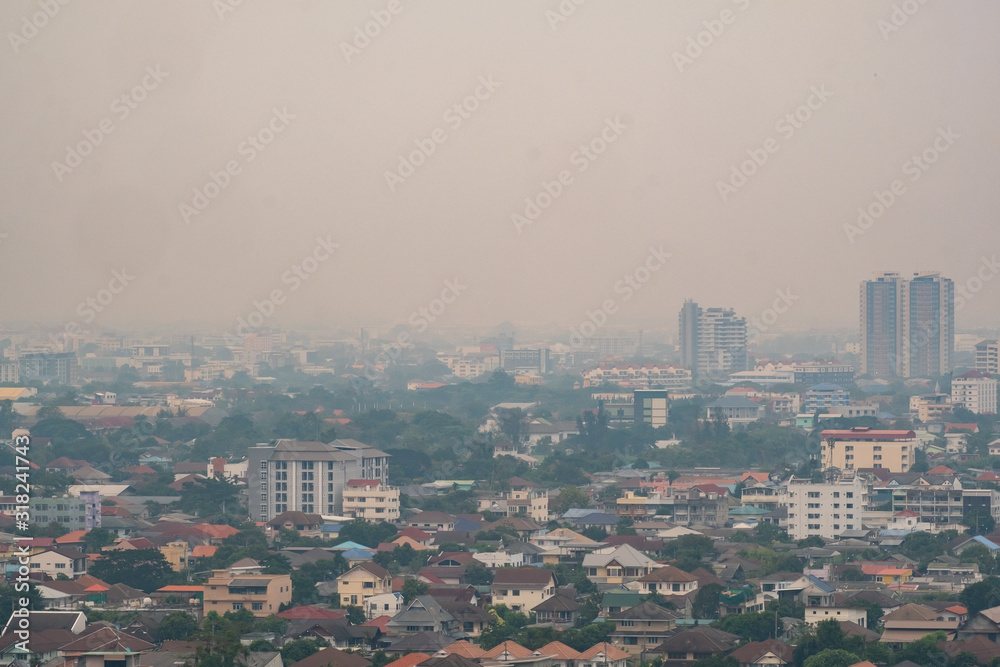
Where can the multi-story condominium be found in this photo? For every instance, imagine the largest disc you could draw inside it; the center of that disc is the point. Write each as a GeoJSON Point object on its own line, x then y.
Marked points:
{"type": "Point", "coordinates": [763, 495]}
{"type": "Point", "coordinates": [988, 357]}
{"type": "Point", "coordinates": [525, 359]}
{"type": "Point", "coordinates": [855, 410]}
{"type": "Point", "coordinates": [308, 477]}
{"type": "Point", "coordinates": [10, 372]}
{"type": "Point", "coordinates": [69, 513]}
{"type": "Point", "coordinates": [473, 365]}
{"type": "Point", "coordinates": [862, 447]}
{"type": "Point", "coordinates": [524, 498]}
{"type": "Point", "coordinates": [636, 376]}
{"type": "Point", "coordinates": [60, 367]}
{"type": "Point", "coordinates": [825, 396]}
{"type": "Point", "coordinates": [907, 325]}
{"type": "Point", "coordinates": [371, 499]}
{"type": "Point", "coordinates": [826, 510]}
{"type": "Point", "coordinates": [651, 407]}
{"type": "Point", "coordinates": [713, 340]}
{"type": "Point", "coordinates": [975, 391]}
{"type": "Point", "coordinates": [232, 590]}
{"type": "Point", "coordinates": [942, 503]}
{"type": "Point", "coordinates": [932, 407]}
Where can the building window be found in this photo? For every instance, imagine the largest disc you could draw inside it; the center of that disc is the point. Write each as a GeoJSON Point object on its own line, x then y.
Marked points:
{"type": "Point", "coordinates": [263, 465]}
{"type": "Point", "coordinates": [257, 606]}
{"type": "Point", "coordinates": [237, 606]}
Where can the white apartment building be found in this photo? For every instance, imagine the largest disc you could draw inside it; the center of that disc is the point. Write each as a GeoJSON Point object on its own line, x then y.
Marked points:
{"type": "Point", "coordinates": [976, 391]}
{"type": "Point", "coordinates": [988, 357]}
{"type": "Point", "coordinates": [635, 376]}
{"type": "Point", "coordinates": [309, 477]}
{"type": "Point", "coordinates": [826, 510]}
{"type": "Point", "coordinates": [372, 500]}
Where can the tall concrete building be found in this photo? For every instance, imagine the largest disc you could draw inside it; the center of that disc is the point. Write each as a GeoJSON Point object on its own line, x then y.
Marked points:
{"type": "Point", "coordinates": [988, 357]}
{"type": "Point", "coordinates": [713, 340]}
{"type": "Point", "coordinates": [907, 325]}
{"type": "Point", "coordinates": [309, 477]}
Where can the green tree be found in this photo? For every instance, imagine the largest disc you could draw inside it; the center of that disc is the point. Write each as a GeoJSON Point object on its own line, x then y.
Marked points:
{"type": "Point", "coordinates": [96, 538]}
{"type": "Point", "coordinates": [980, 521]}
{"type": "Point", "coordinates": [412, 588]}
{"type": "Point", "coordinates": [706, 601]}
{"type": "Point", "coordinates": [299, 649]}
{"type": "Point", "coordinates": [178, 625]}
{"type": "Point", "coordinates": [982, 595]}
{"type": "Point", "coordinates": [832, 657]}
{"type": "Point", "coordinates": [261, 645]}
{"type": "Point", "coordinates": [569, 497]}
{"type": "Point", "coordinates": [8, 595]}
{"type": "Point", "coordinates": [145, 569]}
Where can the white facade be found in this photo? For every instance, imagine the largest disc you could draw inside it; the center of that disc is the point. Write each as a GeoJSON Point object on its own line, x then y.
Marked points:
{"type": "Point", "coordinates": [976, 391]}
{"type": "Point", "coordinates": [825, 510]}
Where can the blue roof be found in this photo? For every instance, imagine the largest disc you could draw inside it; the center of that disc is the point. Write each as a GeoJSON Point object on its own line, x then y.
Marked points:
{"type": "Point", "coordinates": [992, 546]}
{"type": "Point", "coordinates": [350, 545]}
{"type": "Point", "coordinates": [820, 584]}
{"type": "Point", "coordinates": [467, 524]}
{"type": "Point", "coordinates": [358, 554]}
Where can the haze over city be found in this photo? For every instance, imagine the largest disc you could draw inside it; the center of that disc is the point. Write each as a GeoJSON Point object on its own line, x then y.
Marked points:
{"type": "Point", "coordinates": [226, 143]}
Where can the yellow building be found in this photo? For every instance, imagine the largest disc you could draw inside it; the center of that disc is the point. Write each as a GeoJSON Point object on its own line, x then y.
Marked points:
{"type": "Point", "coordinates": [371, 500]}
{"type": "Point", "coordinates": [861, 447]}
{"type": "Point", "coordinates": [262, 594]}
{"type": "Point", "coordinates": [363, 581]}
{"type": "Point", "coordinates": [177, 554]}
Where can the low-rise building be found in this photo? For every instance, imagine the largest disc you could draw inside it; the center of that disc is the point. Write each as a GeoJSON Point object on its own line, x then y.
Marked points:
{"type": "Point", "coordinates": [862, 447]}
{"type": "Point", "coordinates": [826, 510]}
{"type": "Point", "coordinates": [233, 589]}
{"type": "Point", "coordinates": [643, 627]}
{"type": "Point", "coordinates": [976, 392]}
{"type": "Point", "coordinates": [523, 588]}
{"type": "Point", "coordinates": [372, 500]}
{"type": "Point", "coordinates": [617, 565]}
{"type": "Point", "coordinates": [363, 581]}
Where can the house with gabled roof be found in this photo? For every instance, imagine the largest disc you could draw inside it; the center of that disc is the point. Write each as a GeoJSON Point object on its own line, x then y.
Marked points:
{"type": "Point", "coordinates": [768, 652]}
{"type": "Point", "coordinates": [913, 621]}
{"type": "Point", "coordinates": [667, 580]}
{"type": "Point", "coordinates": [617, 565]}
{"type": "Point", "coordinates": [422, 614]}
{"type": "Point", "coordinates": [431, 522]}
{"type": "Point", "coordinates": [105, 646]}
{"type": "Point", "coordinates": [561, 609]}
{"type": "Point", "coordinates": [522, 588]}
{"type": "Point", "coordinates": [643, 627]}
{"type": "Point", "coordinates": [506, 652]}
{"type": "Point", "coordinates": [687, 646]}
{"type": "Point", "coordinates": [363, 581]}
{"type": "Point", "coordinates": [602, 655]}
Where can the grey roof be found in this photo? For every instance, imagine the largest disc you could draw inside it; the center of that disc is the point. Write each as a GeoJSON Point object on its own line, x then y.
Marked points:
{"type": "Point", "coordinates": [734, 402]}
{"type": "Point", "coordinates": [424, 642]}
{"type": "Point", "coordinates": [820, 584]}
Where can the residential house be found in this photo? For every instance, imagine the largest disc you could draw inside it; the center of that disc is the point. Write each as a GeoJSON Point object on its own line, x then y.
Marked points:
{"type": "Point", "coordinates": [523, 588]}
{"type": "Point", "coordinates": [105, 647]}
{"type": "Point", "coordinates": [602, 655]}
{"type": "Point", "coordinates": [912, 621]}
{"type": "Point", "coordinates": [560, 609]}
{"type": "Point", "coordinates": [431, 522]}
{"type": "Point", "coordinates": [667, 580]}
{"type": "Point", "coordinates": [363, 581]}
{"type": "Point", "coordinates": [387, 604]}
{"type": "Point", "coordinates": [423, 614]}
{"type": "Point", "coordinates": [54, 562]}
{"type": "Point", "coordinates": [617, 565]}
{"type": "Point", "coordinates": [233, 589]}
{"type": "Point", "coordinates": [643, 627]}
{"type": "Point", "coordinates": [768, 652]}
{"type": "Point", "coordinates": [697, 643]}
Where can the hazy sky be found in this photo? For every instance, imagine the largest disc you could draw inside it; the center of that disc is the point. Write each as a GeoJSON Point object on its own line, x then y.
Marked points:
{"type": "Point", "coordinates": [310, 118]}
